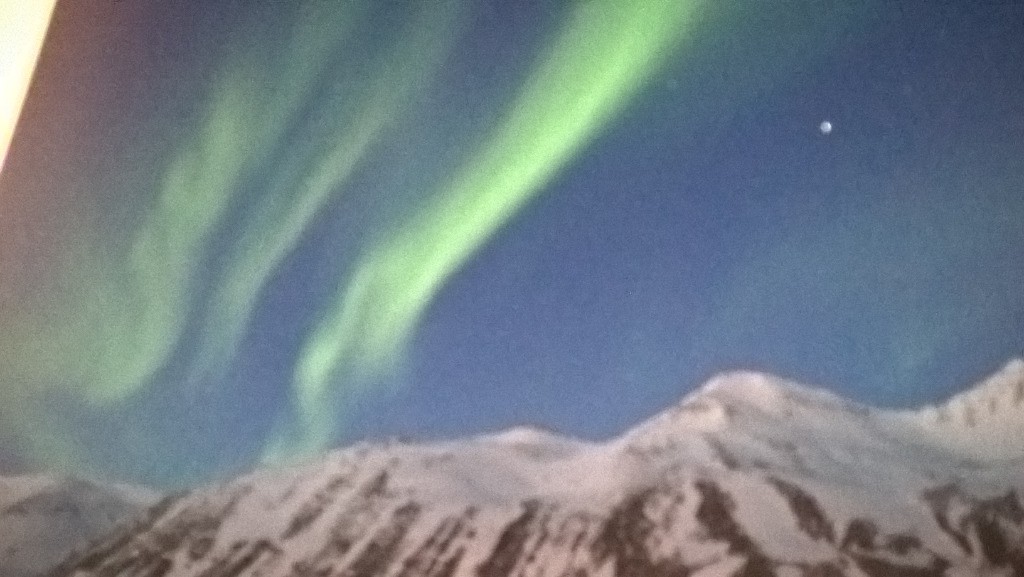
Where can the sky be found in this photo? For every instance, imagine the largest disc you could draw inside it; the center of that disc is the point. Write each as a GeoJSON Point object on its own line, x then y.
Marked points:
{"type": "Point", "coordinates": [238, 234]}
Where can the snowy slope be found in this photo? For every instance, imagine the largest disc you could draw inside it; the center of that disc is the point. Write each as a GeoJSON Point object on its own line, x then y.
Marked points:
{"type": "Point", "coordinates": [986, 421]}
{"type": "Point", "coordinates": [43, 518]}
{"type": "Point", "coordinates": [750, 475]}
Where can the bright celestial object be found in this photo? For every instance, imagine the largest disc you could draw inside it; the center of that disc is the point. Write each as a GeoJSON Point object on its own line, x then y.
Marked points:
{"type": "Point", "coordinates": [825, 127]}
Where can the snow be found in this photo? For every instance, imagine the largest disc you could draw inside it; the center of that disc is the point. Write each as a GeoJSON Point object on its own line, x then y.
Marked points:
{"type": "Point", "coordinates": [43, 518]}
{"type": "Point", "coordinates": [742, 430]}
{"type": "Point", "coordinates": [16, 488]}
{"type": "Point", "coordinates": [985, 422]}
{"type": "Point", "coordinates": [755, 421]}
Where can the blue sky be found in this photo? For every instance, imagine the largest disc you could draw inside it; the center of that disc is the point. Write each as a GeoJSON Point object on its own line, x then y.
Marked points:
{"type": "Point", "coordinates": [704, 224]}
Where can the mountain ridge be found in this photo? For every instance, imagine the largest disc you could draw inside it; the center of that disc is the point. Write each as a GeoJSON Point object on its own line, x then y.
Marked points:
{"type": "Point", "coordinates": [43, 518]}
{"type": "Point", "coordinates": [987, 420]}
{"type": "Point", "coordinates": [748, 476]}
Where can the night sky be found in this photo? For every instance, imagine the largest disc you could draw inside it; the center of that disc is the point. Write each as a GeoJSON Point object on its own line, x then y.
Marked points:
{"type": "Point", "coordinates": [237, 232]}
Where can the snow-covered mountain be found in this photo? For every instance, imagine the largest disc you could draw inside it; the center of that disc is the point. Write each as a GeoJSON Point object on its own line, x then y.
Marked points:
{"type": "Point", "coordinates": [749, 476]}
{"type": "Point", "coordinates": [42, 519]}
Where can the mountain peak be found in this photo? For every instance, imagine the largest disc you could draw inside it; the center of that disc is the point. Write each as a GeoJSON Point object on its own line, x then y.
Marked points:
{"type": "Point", "coordinates": [526, 435]}
{"type": "Point", "coordinates": [751, 396]}
{"type": "Point", "coordinates": [770, 393]}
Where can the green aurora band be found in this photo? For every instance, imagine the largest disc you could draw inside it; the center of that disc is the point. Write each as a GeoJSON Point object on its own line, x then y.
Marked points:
{"type": "Point", "coordinates": [318, 168]}
{"type": "Point", "coordinates": [126, 301]}
{"type": "Point", "coordinates": [122, 306]}
{"type": "Point", "coordinates": [595, 65]}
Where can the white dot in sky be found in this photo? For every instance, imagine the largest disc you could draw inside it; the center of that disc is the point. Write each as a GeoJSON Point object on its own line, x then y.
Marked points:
{"type": "Point", "coordinates": [825, 127]}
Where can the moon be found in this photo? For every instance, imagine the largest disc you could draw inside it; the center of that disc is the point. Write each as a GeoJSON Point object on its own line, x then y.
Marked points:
{"type": "Point", "coordinates": [825, 127]}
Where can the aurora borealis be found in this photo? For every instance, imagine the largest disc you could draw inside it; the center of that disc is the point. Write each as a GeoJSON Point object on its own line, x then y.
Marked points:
{"type": "Point", "coordinates": [232, 234]}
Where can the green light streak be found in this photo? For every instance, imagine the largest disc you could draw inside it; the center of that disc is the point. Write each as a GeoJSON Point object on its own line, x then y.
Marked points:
{"type": "Point", "coordinates": [119, 315]}
{"type": "Point", "coordinates": [252, 107]}
{"type": "Point", "coordinates": [123, 315]}
{"type": "Point", "coordinates": [315, 171]}
{"type": "Point", "coordinates": [594, 67]}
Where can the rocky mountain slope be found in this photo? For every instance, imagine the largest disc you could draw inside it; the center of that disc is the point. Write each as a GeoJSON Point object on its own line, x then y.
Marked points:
{"type": "Point", "coordinates": [749, 476]}
{"type": "Point", "coordinates": [43, 518]}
